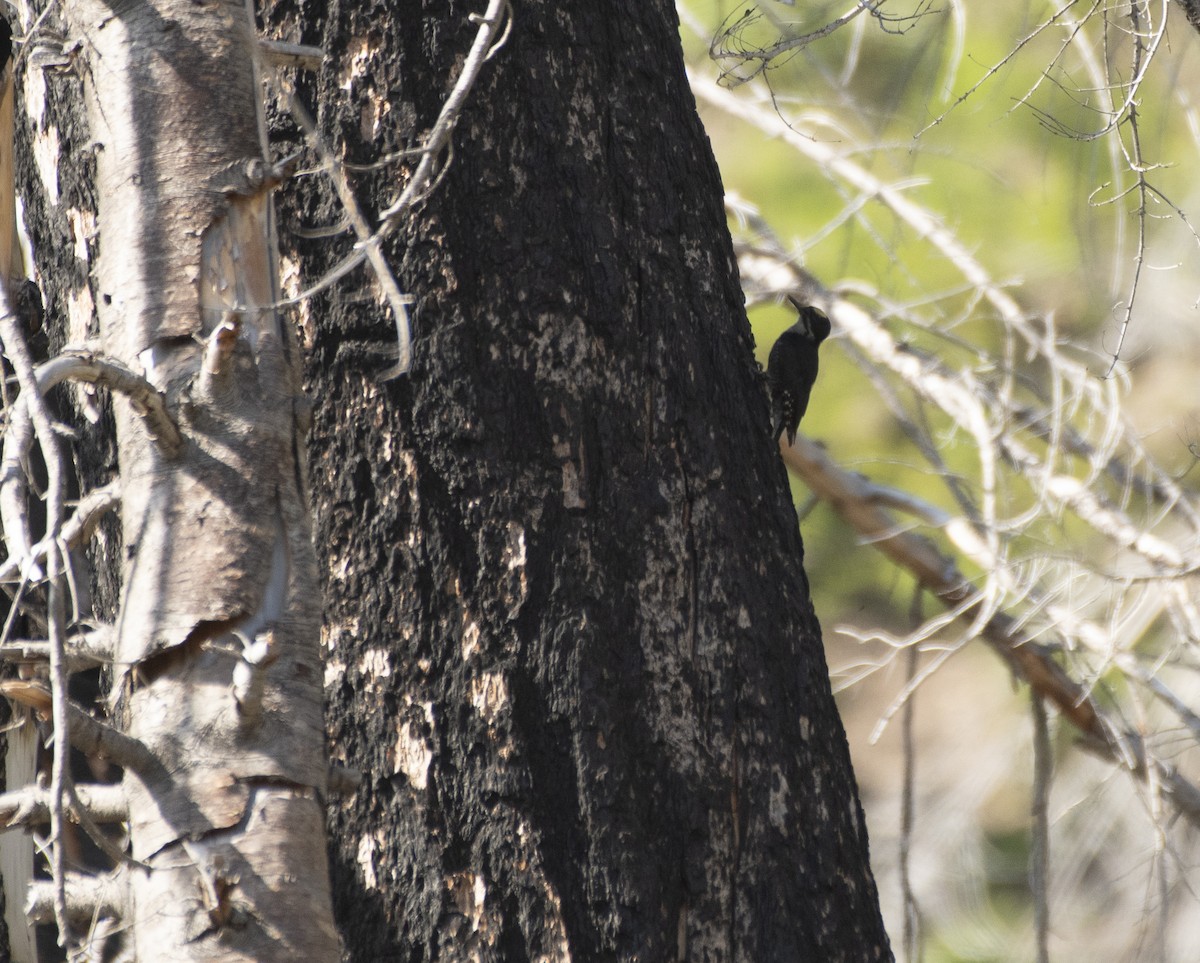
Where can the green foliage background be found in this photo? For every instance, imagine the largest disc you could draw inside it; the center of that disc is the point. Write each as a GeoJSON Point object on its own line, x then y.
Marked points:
{"type": "Point", "coordinates": [1005, 156]}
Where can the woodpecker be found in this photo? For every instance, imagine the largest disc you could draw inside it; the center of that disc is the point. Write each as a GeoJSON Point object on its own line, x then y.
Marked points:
{"type": "Point", "coordinates": [792, 369]}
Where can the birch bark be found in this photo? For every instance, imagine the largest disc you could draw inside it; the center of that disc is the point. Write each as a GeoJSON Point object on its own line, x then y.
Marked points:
{"type": "Point", "coordinates": [229, 818]}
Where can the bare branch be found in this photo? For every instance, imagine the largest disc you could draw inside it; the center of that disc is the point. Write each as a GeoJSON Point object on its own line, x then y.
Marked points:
{"type": "Point", "coordinates": [30, 805]}
{"type": "Point", "coordinates": [34, 404]}
{"type": "Point", "coordinates": [852, 497]}
{"type": "Point", "coordinates": [424, 179]}
{"type": "Point", "coordinates": [85, 649]}
{"type": "Point", "coordinates": [278, 53]}
{"type": "Point", "coordinates": [368, 242]}
{"type": "Point", "coordinates": [912, 912]}
{"type": "Point", "coordinates": [249, 676]}
{"type": "Point", "coordinates": [1039, 850]}
{"type": "Point", "coordinates": [147, 401]}
{"type": "Point", "coordinates": [76, 531]}
{"type": "Point", "coordinates": [88, 735]}
{"type": "Point", "coordinates": [87, 898]}
{"type": "Point", "coordinates": [80, 365]}
{"type": "Point", "coordinates": [497, 15]}
{"type": "Point", "coordinates": [730, 48]}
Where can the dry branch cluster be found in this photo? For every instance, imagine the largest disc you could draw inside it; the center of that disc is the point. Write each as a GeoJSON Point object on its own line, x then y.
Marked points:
{"type": "Point", "coordinates": [1037, 517]}
{"type": "Point", "coordinates": [1054, 466]}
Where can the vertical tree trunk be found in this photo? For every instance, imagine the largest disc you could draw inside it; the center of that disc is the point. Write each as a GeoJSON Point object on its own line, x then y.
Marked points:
{"type": "Point", "coordinates": [569, 634]}
{"type": "Point", "coordinates": [52, 174]}
{"type": "Point", "coordinates": [226, 808]}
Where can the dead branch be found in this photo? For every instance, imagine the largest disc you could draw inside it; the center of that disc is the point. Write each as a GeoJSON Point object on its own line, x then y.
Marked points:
{"type": "Point", "coordinates": [87, 898]}
{"type": "Point", "coordinates": [30, 805]}
{"type": "Point", "coordinates": [79, 364]}
{"type": "Point", "coordinates": [853, 497]}
{"type": "Point", "coordinates": [368, 242]}
{"type": "Point", "coordinates": [86, 649]}
{"type": "Point", "coordinates": [437, 147]}
{"type": "Point", "coordinates": [88, 735]}
{"type": "Point", "coordinates": [278, 53]}
{"type": "Point", "coordinates": [249, 676]}
{"type": "Point", "coordinates": [76, 531]}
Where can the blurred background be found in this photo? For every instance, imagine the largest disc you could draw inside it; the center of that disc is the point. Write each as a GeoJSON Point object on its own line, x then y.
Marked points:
{"type": "Point", "coordinates": [998, 207]}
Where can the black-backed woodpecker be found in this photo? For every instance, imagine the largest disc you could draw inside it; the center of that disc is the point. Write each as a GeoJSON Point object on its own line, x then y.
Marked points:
{"type": "Point", "coordinates": [792, 369]}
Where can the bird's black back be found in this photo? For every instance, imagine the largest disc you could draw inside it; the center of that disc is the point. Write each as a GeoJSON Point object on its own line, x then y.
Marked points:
{"type": "Point", "coordinates": [795, 354]}
{"type": "Point", "coordinates": [792, 369]}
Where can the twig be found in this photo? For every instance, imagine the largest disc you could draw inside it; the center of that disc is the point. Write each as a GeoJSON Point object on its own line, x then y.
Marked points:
{"type": "Point", "coordinates": [146, 400]}
{"type": "Point", "coordinates": [60, 772]}
{"type": "Point", "coordinates": [90, 826]}
{"type": "Point", "coordinates": [86, 897]}
{"type": "Point", "coordinates": [77, 530]}
{"type": "Point", "coordinates": [499, 12]}
{"type": "Point", "coordinates": [18, 353]}
{"type": "Point", "coordinates": [912, 913]}
{"type": "Point", "coordinates": [250, 675]}
{"type": "Point", "coordinates": [367, 240]}
{"type": "Point", "coordinates": [278, 53]}
{"type": "Point", "coordinates": [439, 136]}
{"type": "Point", "coordinates": [1039, 850]}
{"type": "Point", "coordinates": [88, 735]}
{"type": "Point", "coordinates": [80, 365]}
{"type": "Point", "coordinates": [422, 182]}
{"type": "Point", "coordinates": [741, 53]}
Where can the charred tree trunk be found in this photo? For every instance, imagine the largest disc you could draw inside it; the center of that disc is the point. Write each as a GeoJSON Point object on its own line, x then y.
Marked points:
{"type": "Point", "coordinates": [569, 634]}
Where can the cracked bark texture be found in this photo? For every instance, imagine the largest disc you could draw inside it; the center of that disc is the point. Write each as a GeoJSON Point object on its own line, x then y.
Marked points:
{"type": "Point", "coordinates": [569, 638]}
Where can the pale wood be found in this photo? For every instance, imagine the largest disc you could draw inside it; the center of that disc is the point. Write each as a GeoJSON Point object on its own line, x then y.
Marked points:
{"type": "Point", "coordinates": [217, 539]}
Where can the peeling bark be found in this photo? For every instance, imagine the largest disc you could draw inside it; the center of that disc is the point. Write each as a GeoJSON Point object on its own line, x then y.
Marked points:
{"type": "Point", "coordinates": [570, 643]}
{"type": "Point", "coordinates": [217, 544]}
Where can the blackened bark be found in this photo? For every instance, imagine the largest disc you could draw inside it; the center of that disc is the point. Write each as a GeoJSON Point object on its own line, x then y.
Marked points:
{"type": "Point", "coordinates": [1191, 10]}
{"type": "Point", "coordinates": [569, 635]}
{"type": "Point", "coordinates": [55, 172]}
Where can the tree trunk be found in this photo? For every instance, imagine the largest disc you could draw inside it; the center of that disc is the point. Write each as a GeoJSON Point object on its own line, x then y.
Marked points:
{"type": "Point", "coordinates": [216, 656]}
{"type": "Point", "coordinates": [569, 637]}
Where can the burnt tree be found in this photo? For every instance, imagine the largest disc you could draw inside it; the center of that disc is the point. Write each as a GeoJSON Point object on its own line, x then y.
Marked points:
{"type": "Point", "coordinates": [568, 632]}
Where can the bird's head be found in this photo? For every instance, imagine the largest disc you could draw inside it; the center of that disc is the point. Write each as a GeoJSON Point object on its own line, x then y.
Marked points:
{"type": "Point", "coordinates": [811, 323]}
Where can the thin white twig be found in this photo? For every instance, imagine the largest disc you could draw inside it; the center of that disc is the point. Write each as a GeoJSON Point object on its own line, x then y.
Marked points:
{"type": "Point", "coordinates": [1039, 850]}
{"type": "Point", "coordinates": [368, 242]}
{"type": "Point", "coordinates": [18, 354]}
{"type": "Point", "coordinates": [908, 792]}
{"type": "Point", "coordinates": [488, 40]}
{"type": "Point", "coordinates": [75, 531]}
{"type": "Point", "coordinates": [481, 51]}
